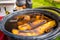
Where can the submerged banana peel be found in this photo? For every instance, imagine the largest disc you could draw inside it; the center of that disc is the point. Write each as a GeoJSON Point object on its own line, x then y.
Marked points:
{"type": "Point", "coordinates": [40, 30]}
{"type": "Point", "coordinates": [46, 26]}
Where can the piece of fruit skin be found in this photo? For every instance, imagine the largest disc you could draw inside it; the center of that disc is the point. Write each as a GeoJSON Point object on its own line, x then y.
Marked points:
{"type": "Point", "coordinates": [27, 17]}
{"type": "Point", "coordinates": [15, 31]}
{"type": "Point", "coordinates": [37, 17]}
{"type": "Point", "coordinates": [37, 22]}
{"type": "Point", "coordinates": [24, 27]}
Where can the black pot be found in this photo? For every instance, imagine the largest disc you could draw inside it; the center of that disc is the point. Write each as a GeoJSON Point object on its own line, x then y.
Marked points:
{"type": "Point", "coordinates": [42, 37]}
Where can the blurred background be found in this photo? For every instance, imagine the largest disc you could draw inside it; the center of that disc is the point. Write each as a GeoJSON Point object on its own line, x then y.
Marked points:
{"type": "Point", "coordinates": [40, 3]}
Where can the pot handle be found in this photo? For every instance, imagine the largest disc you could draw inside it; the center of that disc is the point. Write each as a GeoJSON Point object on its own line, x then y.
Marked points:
{"type": "Point", "coordinates": [51, 8]}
